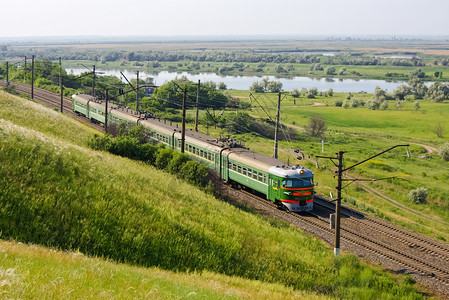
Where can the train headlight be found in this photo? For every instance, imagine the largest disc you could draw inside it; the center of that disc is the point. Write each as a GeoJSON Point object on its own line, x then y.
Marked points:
{"type": "Point", "coordinates": [301, 172]}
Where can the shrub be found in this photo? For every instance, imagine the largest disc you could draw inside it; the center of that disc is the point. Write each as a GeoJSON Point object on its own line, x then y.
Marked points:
{"type": "Point", "coordinates": [418, 196]}
{"type": "Point", "coordinates": [338, 103]}
{"type": "Point", "coordinates": [444, 152]}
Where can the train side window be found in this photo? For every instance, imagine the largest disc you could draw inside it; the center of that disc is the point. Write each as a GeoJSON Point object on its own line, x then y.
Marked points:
{"type": "Point", "coordinates": [239, 169]}
{"type": "Point", "coordinates": [255, 175]}
{"type": "Point", "coordinates": [209, 156]}
{"type": "Point", "coordinates": [193, 150]}
{"type": "Point", "coordinates": [250, 173]}
{"type": "Point", "coordinates": [234, 167]}
{"type": "Point", "coordinates": [201, 153]}
{"type": "Point", "coordinates": [245, 171]}
{"type": "Point", "coordinates": [260, 177]}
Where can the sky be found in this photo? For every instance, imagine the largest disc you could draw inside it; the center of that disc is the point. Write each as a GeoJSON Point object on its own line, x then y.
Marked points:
{"type": "Point", "coordinates": [225, 17]}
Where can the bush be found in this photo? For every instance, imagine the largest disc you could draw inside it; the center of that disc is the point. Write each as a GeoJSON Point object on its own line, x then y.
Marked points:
{"type": "Point", "coordinates": [338, 103]}
{"type": "Point", "coordinates": [444, 152]}
{"type": "Point", "coordinates": [418, 196]}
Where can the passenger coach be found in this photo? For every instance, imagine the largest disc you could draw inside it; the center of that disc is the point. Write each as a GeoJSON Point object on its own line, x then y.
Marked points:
{"type": "Point", "coordinates": [288, 185]}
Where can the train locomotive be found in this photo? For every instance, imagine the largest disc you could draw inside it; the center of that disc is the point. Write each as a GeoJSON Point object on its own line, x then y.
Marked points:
{"type": "Point", "coordinates": [290, 186]}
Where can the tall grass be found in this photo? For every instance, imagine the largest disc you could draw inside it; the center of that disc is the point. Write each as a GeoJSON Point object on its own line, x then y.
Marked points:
{"type": "Point", "coordinates": [64, 196]}
{"type": "Point", "coordinates": [33, 272]}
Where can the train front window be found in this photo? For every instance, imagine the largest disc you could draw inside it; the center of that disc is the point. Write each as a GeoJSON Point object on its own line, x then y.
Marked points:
{"type": "Point", "coordinates": [295, 183]}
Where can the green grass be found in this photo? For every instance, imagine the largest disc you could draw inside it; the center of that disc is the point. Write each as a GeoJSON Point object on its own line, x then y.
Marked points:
{"type": "Point", "coordinates": [64, 196]}
{"type": "Point", "coordinates": [362, 133]}
{"type": "Point", "coordinates": [34, 272]}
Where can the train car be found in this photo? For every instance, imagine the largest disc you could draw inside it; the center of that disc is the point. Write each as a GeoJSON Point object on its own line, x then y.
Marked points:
{"type": "Point", "coordinates": [290, 186]}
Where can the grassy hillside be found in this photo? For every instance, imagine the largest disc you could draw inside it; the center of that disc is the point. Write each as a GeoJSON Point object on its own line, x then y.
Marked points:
{"type": "Point", "coordinates": [56, 193]}
{"type": "Point", "coordinates": [34, 272]}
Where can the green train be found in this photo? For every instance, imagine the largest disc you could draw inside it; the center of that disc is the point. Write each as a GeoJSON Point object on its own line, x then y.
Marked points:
{"type": "Point", "coordinates": [290, 186]}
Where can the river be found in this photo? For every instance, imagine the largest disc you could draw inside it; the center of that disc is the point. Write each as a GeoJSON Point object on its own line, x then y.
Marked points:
{"type": "Point", "coordinates": [244, 82]}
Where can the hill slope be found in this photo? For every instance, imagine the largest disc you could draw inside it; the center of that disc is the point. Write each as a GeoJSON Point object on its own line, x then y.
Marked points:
{"type": "Point", "coordinates": [56, 193]}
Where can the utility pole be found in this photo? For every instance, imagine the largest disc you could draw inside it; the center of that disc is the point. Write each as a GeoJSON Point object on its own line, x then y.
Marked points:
{"type": "Point", "coordinates": [7, 73]}
{"type": "Point", "coordinates": [137, 92]}
{"type": "Point", "coordinates": [32, 78]}
{"type": "Point", "coordinates": [106, 112]}
{"type": "Point", "coordinates": [183, 128]}
{"type": "Point", "coordinates": [93, 82]}
{"type": "Point", "coordinates": [276, 128]}
{"type": "Point", "coordinates": [340, 179]}
{"type": "Point", "coordinates": [338, 204]}
{"type": "Point", "coordinates": [197, 101]}
{"type": "Point", "coordinates": [61, 88]}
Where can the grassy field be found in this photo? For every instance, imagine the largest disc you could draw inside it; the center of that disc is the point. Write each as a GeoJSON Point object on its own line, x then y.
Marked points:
{"type": "Point", "coordinates": [362, 133]}
{"type": "Point", "coordinates": [56, 193]}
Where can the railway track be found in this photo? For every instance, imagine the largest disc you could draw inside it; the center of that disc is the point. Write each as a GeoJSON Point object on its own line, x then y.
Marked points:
{"type": "Point", "coordinates": [52, 100]}
{"type": "Point", "coordinates": [427, 260]}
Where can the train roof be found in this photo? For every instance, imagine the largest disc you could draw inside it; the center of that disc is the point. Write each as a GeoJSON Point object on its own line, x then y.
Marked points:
{"type": "Point", "coordinates": [83, 97]}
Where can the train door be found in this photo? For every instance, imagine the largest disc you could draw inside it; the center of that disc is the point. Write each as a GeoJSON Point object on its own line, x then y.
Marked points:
{"type": "Point", "coordinates": [274, 186]}
{"type": "Point", "coordinates": [224, 167]}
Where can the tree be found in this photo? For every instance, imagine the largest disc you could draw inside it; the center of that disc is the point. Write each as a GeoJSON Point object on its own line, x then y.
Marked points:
{"type": "Point", "coordinates": [295, 93]}
{"type": "Point", "coordinates": [312, 93]}
{"type": "Point", "coordinates": [417, 73]}
{"type": "Point", "coordinates": [279, 69]}
{"type": "Point", "coordinates": [330, 70]}
{"type": "Point", "coordinates": [240, 123]}
{"type": "Point", "coordinates": [342, 71]}
{"type": "Point", "coordinates": [257, 87]}
{"type": "Point", "coordinates": [418, 196]}
{"type": "Point", "coordinates": [417, 88]}
{"type": "Point", "coordinates": [265, 82]}
{"type": "Point", "coordinates": [274, 86]}
{"type": "Point", "coordinates": [437, 92]}
{"type": "Point", "coordinates": [316, 127]}
{"type": "Point", "coordinates": [222, 86]}
{"type": "Point", "coordinates": [401, 92]}
{"type": "Point", "coordinates": [439, 130]}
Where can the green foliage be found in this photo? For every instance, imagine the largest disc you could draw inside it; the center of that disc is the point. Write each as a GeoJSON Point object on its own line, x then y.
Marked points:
{"type": "Point", "coordinates": [129, 143]}
{"type": "Point", "coordinates": [444, 152]}
{"type": "Point", "coordinates": [241, 122]}
{"type": "Point", "coordinates": [330, 70]}
{"type": "Point", "coordinates": [417, 73]}
{"type": "Point", "coordinates": [418, 196]}
{"type": "Point", "coordinates": [316, 127]}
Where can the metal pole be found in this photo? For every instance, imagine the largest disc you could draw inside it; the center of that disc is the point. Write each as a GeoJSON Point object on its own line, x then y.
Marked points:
{"type": "Point", "coordinates": [7, 73]}
{"type": "Point", "coordinates": [276, 128]}
{"type": "Point", "coordinates": [338, 204]}
{"type": "Point", "coordinates": [197, 101]}
{"type": "Point", "coordinates": [106, 112]}
{"type": "Point", "coordinates": [137, 92]}
{"type": "Point", "coordinates": [32, 78]}
{"type": "Point", "coordinates": [183, 128]}
{"type": "Point", "coordinates": [93, 82]}
{"type": "Point", "coordinates": [61, 88]}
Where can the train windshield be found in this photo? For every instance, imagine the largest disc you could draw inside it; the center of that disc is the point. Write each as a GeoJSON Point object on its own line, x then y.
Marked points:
{"type": "Point", "coordinates": [293, 183]}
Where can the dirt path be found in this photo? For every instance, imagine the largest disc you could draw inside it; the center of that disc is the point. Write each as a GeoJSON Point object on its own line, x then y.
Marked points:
{"type": "Point", "coordinates": [428, 148]}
